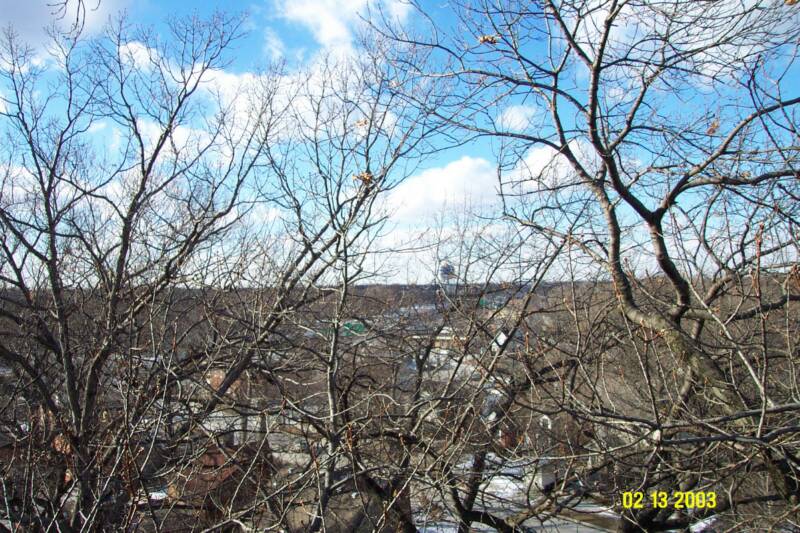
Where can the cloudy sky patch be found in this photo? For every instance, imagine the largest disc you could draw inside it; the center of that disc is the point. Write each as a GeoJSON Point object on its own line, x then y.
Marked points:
{"type": "Point", "coordinates": [468, 180]}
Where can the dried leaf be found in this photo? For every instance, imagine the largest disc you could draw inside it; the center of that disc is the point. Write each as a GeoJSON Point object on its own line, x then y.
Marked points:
{"type": "Point", "coordinates": [365, 177]}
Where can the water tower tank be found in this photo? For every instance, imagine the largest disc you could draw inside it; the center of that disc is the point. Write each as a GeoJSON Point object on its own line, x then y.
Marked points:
{"type": "Point", "coordinates": [446, 271]}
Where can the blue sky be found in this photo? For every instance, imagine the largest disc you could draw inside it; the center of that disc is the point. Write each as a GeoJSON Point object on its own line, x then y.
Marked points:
{"type": "Point", "coordinates": [296, 31]}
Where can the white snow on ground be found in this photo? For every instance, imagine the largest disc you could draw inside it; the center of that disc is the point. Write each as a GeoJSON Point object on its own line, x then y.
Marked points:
{"type": "Point", "coordinates": [158, 495]}
{"type": "Point", "coordinates": [702, 525]}
{"type": "Point", "coordinates": [505, 488]}
{"type": "Point", "coordinates": [438, 528]}
{"type": "Point", "coordinates": [504, 494]}
{"type": "Point", "coordinates": [596, 509]}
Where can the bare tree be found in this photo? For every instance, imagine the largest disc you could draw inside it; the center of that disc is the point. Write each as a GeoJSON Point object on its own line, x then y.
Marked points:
{"type": "Point", "coordinates": [658, 140]}
{"type": "Point", "coordinates": [174, 296]}
{"type": "Point", "coordinates": [92, 239]}
{"type": "Point", "coordinates": [192, 335]}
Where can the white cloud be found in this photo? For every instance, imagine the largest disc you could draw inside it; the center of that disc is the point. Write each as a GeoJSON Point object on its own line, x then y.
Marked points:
{"type": "Point", "coordinates": [516, 117]}
{"type": "Point", "coordinates": [332, 22]}
{"type": "Point", "coordinates": [274, 47]}
{"type": "Point", "coordinates": [544, 168]}
{"type": "Point", "coordinates": [398, 9]}
{"type": "Point", "coordinates": [137, 55]}
{"type": "Point", "coordinates": [97, 127]}
{"type": "Point", "coordinates": [469, 180]}
{"type": "Point", "coordinates": [237, 95]}
{"type": "Point", "coordinates": [328, 20]}
{"type": "Point", "coordinates": [230, 86]}
{"type": "Point", "coordinates": [616, 94]}
{"type": "Point", "coordinates": [298, 96]}
{"type": "Point", "coordinates": [16, 184]}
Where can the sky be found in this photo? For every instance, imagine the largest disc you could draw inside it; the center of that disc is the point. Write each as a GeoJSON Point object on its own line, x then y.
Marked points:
{"type": "Point", "coordinates": [297, 31]}
{"type": "Point", "coordinates": [290, 30]}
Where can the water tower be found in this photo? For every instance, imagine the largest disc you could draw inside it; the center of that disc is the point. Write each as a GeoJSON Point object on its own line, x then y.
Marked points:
{"type": "Point", "coordinates": [447, 277]}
